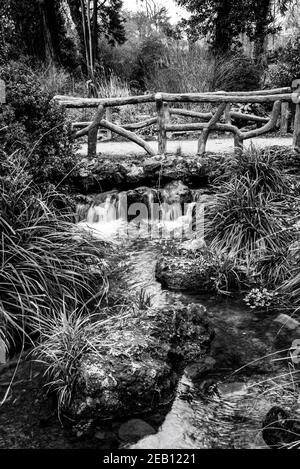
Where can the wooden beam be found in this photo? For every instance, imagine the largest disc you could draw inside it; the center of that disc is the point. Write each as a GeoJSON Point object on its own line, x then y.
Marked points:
{"type": "Point", "coordinates": [129, 135]}
{"type": "Point", "coordinates": [141, 125]}
{"type": "Point", "coordinates": [71, 102]}
{"type": "Point", "coordinates": [133, 126]}
{"type": "Point", "coordinates": [296, 138]}
{"type": "Point", "coordinates": [108, 117]}
{"type": "Point", "coordinates": [257, 92]}
{"type": "Point", "coordinates": [186, 113]}
{"type": "Point", "coordinates": [193, 127]}
{"type": "Point", "coordinates": [269, 126]}
{"type": "Point", "coordinates": [163, 119]}
{"type": "Point", "coordinates": [92, 131]}
{"type": "Point", "coordinates": [249, 117]}
{"type": "Point", "coordinates": [219, 98]}
{"type": "Point", "coordinates": [284, 121]}
{"type": "Point", "coordinates": [96, 122]}
{"type": "Point", "coordinates": [204, 136]}
{"type": "Point", "coordinates": [77, 103]}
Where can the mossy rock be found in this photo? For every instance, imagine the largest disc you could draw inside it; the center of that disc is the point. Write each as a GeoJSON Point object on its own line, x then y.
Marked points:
{"type": "Point", "coordinates": [140, 369]}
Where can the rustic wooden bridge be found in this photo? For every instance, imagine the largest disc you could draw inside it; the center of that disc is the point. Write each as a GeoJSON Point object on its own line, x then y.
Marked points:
{"type": "Point", "coordinates": [286, 101]}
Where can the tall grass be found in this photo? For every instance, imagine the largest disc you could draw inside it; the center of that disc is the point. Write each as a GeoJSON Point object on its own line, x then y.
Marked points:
{"type": "Point", "coordinates": [253, 212]}
{"type": "Point", "coordinates": [45, 260]}
{"type": "Point", "coordinates": [243, 220]}
{"type": "Point", "coordinates": [66, 337]}
{"type": "Point", "coordinates": [187, 70]}
{"type": "Point", "coordinates": [264, 167]}
{"type": "Point", "coordinates": [292, 285]}
{"type": "Point", "coordinates": [112, 86]}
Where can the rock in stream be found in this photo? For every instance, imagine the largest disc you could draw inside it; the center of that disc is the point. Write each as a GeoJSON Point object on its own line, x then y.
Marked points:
{"type": "Point", "coordinates": [141, 367]}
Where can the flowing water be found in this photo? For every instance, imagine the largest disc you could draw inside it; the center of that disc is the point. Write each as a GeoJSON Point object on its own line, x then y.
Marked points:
{"type": "Point", "coordinates": [222, 406]}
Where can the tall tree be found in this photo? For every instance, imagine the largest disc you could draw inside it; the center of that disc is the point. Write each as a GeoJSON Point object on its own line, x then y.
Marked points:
{"type": "Point", "coordinates": [261, 21]}
{"type": "Point", "coordinates": [224, 20]}
{"type": "Point", "coordinates": [94, 18]}
{"type": "Point", "coordinates": [39, 29]}
{"type": "Point", "coordinates": [220, 20]}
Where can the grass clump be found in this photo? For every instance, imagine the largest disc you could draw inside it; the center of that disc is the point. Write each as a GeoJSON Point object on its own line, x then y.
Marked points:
{"type": "Point", "coordinates": [253, 218]}
{"type": "Point", "coordinates": [244, 219]}
{"type": "Point", "coordinates": [265, 168]}
{"type": "Point", "coordinates": [45, 260]}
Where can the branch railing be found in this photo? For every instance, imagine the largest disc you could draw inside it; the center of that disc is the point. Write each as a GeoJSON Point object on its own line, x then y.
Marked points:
{"type": "Point", "coordinates": [221, 120]}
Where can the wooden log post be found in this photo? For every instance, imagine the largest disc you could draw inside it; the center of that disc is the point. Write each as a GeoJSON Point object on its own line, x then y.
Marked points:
{"type": "Point", "coordinates": [238, 144]}
{"type": "Point", "coordinates": [163, 119]}
{"type": "Point", "coordinates": [93, 132]}
{"type": "Point", "coordinates": [284, 120]}
{"type": "Point", "coordinates": [228, 116]}
{"type": "Point", "coordinates": [296, 105]}
{"type": "Point", "coordinates": [108, 117]}
{"type": "Point", "coordinates": [204, 135]}
{"type": "Point", "coordinates": [92, 142]}
{"type": "Point", "coordinates": [296, 139]}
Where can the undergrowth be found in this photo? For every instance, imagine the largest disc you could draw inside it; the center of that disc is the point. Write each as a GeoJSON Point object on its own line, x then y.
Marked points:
{"type": "Point", "coordinates": [45, 260]}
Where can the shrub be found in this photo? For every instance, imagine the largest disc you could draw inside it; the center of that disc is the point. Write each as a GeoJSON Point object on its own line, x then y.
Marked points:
{"type": "Point", "coordinates": [35, 124]}
{"type": "Point", "coordinates": [253, 217]}
{"type": "Point", "coordinates": [186, 71]}
{"type": "Point", "coordinates": [287, 67]}
{"type": "Point", "coordinates": [150, 56]}
{"type": "Point", "coordinates": [261, 298]}
{"type": "Point", "coordinates": [236, 73]}
{"type": "Point", "coordinates": [279, 75]}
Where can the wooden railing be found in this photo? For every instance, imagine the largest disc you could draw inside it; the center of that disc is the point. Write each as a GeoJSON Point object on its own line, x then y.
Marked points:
{"type": "Point", "coordinates": [221, 120]}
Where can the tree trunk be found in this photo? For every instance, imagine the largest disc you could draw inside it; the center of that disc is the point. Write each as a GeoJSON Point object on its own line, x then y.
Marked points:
{"type": "Point", "coordinates": [90, 39]}
{"type": "Point", "coordinates": [85, 34]}
{"type": "Point", "coordinates": [261, 32]}
{"type": "Point", "coordinates": [49, 51]}
{"type": "Point", "coordinates": [223, 34]}
{"type": "Point", "coordinates": [95, 31]}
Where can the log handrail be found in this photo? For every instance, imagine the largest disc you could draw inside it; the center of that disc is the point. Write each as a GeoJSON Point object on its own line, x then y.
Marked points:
{"type": "Point", "coordinates": [283, 94]}
{"type": "Point", "coordinates": [79, 103]}
{"type": "Point", "coordinates": [224, 98]}
{"type": "Point", "coordinates": [280, 97]}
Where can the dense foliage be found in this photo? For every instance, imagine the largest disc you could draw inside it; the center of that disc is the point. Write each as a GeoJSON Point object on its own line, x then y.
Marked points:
{"type": "Point", "coordinates": [287, 66]}
{"type": "Point", "coordinates": [46, 262]}
{"type": "Point", "coordinates": [33, 123]}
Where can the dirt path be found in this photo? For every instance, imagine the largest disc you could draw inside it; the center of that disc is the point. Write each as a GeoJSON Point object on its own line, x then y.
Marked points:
{"type": "Point", "coordinates": [188, 147]}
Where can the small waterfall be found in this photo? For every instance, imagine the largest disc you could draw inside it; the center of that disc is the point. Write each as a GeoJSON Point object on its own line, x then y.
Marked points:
{"type": "Point", "coordinates": [103, 219]}
{"type": "Point", "coordinates": [171, 212]}
{"type": "Point", "coordinates": [103, 213]}
{"type": "Point", "coordinates": [110, 218]}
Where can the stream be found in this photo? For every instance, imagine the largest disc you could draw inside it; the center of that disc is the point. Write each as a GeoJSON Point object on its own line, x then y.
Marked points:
{"type": "Point", "coordinates": [220, 403]}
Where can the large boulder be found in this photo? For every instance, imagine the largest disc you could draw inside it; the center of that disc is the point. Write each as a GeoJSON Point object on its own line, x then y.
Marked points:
{"type": "Point", "coordinates": [180, 273]}
{"type": "Point", "coordinates": [139, 367]}
{"type": "Point", "coordinates": [192, 266]}
{"type": "Point", "coordinates": [105, 172]}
